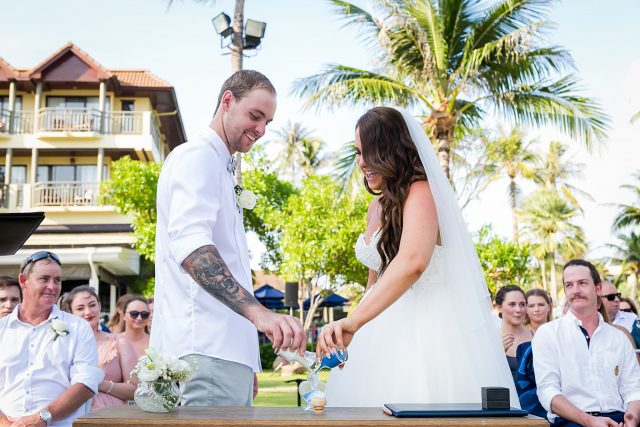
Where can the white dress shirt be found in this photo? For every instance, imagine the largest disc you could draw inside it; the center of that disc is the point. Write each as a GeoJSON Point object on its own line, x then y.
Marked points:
{"type": "Point", "coordinates": [624, 319]}
{"type": "Point", "coordinates": [197, 207]}
{"type": "Point", "coordinates": [35, 369]}
{"type": "Point", "coordinates": [601, 377]}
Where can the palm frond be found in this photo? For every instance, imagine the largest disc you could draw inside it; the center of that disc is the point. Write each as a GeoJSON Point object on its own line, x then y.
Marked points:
{"type": "Point", "coordinates": [346, 171]}
{"type": "Point", "coordinates": [339, 84]}
{"type": "Point", "coordinates": [369, 27]}
{"type": "Point", "coordinates": [556, 104]}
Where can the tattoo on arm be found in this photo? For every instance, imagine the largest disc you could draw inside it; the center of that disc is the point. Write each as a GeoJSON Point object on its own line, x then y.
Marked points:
{"type": "Point", "coordinates": [206, 267]}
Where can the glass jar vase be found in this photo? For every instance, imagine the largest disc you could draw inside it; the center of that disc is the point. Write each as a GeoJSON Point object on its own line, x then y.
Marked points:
{"type": "Point", "coordinates": [158, 395]}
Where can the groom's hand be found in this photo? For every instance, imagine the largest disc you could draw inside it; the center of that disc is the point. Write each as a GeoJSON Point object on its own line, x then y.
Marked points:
{"type": "Point", "coordinates": [334, 334]}
{"type": "Point", "coordinates": [283, 331]}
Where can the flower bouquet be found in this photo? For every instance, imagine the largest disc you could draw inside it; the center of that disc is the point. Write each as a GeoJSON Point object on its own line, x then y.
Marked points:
{"type": "Point", "coordinates": [161, 379]}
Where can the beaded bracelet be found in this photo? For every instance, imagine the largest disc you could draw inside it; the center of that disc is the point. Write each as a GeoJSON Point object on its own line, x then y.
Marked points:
{"type": "Point", "coordinates": [110, 386]}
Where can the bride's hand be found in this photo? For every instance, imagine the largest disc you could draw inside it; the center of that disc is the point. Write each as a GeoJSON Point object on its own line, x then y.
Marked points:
{"type": "Point", "coordinates": [339, 333]}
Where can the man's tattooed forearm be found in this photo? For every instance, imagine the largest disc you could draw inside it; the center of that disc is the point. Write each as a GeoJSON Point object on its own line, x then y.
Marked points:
{"type": "Point", "coordinates": [206, 267]}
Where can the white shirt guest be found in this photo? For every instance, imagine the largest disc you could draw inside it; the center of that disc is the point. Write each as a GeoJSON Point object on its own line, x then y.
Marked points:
{"type": "Point", "coordinates": [48, 358]}
{"type": "Point", "coordinates": [585, 368]}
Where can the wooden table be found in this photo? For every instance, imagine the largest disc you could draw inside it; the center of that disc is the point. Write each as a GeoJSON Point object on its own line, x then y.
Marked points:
{"type": "Point", "coordinates": [261, 416]}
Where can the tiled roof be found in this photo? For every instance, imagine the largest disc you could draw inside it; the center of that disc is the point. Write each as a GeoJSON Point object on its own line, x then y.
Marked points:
{"type": "Point", "coordinates": [139, 78]}
{"type": "Point", "coordinates": [76, 51]}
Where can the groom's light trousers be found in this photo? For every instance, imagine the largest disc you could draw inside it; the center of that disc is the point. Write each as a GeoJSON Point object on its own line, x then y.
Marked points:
{"type": "Point", "coordinates": [218, 382]}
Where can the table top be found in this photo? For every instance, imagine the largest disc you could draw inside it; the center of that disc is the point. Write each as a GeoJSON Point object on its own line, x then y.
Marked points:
{"type": "Point", "coordinates": [276, 416]}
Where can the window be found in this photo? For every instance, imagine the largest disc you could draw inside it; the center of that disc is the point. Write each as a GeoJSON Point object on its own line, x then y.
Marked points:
{"type": "Point", "coordinates": [4, 114]}
{"type": "Point", "coordinates": [82, 173]}
{"type": "Point", "coordinates": [127, 105]}
{"type": "Point", "coordinates": [18, 174]}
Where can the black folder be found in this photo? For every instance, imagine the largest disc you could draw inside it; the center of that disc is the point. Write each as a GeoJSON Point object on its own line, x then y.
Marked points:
{"type": "Point", "coordinates": [15, 229]}
{"type": "Point", "coordinates": [449, 410]}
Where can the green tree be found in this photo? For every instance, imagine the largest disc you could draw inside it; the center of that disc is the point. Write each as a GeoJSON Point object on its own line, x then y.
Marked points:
{"type": "Point", "coordinates": [627, 256]}
{"type": "Point", "coordinates": [547, 222]}
{"type": "Point", "coordinates": [132, 190]}
{"type": "Point", "coordinates": [273, 194]}
{"type": "Point", "coordinates": [504, 262]}
{"type": "Point", "coordinates": [555, 172]}
{"type": "Point", "coordinates": [460, 61]}
{"type": "Point", "coordinates": [319, 229]}
{"type": "Point", "coordinates": [512, 155]}
{"type": "Point", "coordinates": [629, 215]}
{"type": "Point", "coordinates": [301, 153]}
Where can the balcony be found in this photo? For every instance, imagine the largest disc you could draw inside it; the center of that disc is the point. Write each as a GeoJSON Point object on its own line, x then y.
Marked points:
{"type": "Point", "coordinates": [17, 122]}
{"type": "Point", "coordinates": [65, 193]}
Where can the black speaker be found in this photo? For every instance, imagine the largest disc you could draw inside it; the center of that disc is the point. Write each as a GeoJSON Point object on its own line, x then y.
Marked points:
{"type": "Point", "coordinates": [291, 294]}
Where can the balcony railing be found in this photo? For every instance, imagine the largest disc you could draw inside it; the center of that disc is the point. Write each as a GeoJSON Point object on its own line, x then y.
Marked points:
{"type": "Point", "coordinates": [68, 120]}
{"type": "Point", "coordinates": [65, 193]}
{"type": "Point", "coordinates": [21, 122]}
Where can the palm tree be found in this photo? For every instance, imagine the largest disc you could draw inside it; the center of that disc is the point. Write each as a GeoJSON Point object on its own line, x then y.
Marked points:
{"type": "Point", "coordinates": [301, 153]}
{"type": "Point", "coordinates": [512, 156]}
{"type": "Point", "coordinates": [546, 219]}
{"type": "Point", "coordinates": [628, 257]}
{"type": "Point", "coordinates": [460, 61]}
{"type": "Point", "coordinates": [629, 215]}
{"type": "Point", "coordinates": [555, 170]}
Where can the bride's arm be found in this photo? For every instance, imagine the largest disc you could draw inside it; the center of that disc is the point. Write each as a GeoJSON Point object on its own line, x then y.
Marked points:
{"type": "Point", "coordinates": [418, 240]}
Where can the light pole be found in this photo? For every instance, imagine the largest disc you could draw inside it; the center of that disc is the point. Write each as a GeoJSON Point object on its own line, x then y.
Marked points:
{"type": "Point", "coordinates": [238, 39]}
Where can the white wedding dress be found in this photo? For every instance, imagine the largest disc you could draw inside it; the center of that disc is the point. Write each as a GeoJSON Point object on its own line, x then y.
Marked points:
{"type": "Point", "coordinates": [421, 349]}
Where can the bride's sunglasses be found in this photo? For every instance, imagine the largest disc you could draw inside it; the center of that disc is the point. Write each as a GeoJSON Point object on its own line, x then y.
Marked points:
{"type": "Point", "coordinates": [143, 314]}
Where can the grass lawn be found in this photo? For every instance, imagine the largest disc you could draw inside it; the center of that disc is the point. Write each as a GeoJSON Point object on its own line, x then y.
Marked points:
{"type": "Point", "coordinates": [274, 391]}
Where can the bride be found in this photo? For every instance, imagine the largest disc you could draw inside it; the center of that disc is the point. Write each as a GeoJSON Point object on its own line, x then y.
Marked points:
{"type": "Point", "coordinates": [424, 331]}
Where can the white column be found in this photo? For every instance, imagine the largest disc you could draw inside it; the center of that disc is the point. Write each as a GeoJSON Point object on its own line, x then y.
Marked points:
{"type": "Point", "coordinates": [103, 95]}
{"type": "Point", "coordinates": [100, 164]}
{"type": "Point", "coordinates": [8, 163]}
{"type": "Point", "coordinates": [36, 106]}
{"type": "Point", "coordinates": [12, 104]}
{"type": "Point", "coordinates": [34, 166]}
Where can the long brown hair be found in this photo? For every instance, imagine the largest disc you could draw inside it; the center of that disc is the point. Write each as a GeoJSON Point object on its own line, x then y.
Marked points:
{"type": "Point", "coordinates": [389, 151]}
{"type": "Point", "coordinates": [544, 295]}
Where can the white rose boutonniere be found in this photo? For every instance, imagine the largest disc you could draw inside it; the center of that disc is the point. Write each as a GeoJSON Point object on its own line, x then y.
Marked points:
{"type": "Point", "coordinates": [245, 199]}
{"type": "Point", "coordinates": [59, 328]}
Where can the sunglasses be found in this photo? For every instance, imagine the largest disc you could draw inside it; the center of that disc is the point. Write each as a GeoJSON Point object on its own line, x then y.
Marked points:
{"type": "Point", "coordinates": [626, 310]}
{"type": "Point", "coordinates": [143, 314]}
{"type": "Point", "coordinates": [611, 297]}
{"type": "Point", "coordinates": [38, 256]}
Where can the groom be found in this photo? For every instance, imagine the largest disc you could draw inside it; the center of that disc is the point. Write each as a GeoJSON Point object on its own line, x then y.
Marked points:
{"type": "Point", "coordinates": [205, 311]}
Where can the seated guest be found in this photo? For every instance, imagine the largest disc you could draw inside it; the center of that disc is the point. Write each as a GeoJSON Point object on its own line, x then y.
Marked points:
{"type": "Point", "coordinates": [513, 308]}
{"type": "Point", "coordinates": [10, 295]}
{"type": "Point", "coordinates": [48, 358]}
{"type": "Point", "coordinates": [136, 315]}
{"type": "Point", "coordinates": [628, 306]}
{"type": "Point", "coordinates": [116, 324]}
{"type": "Point", "coordinates": [611, 300]}
{"type": "Point", "coordinates": [116, 356]}
{"type": "Point", "coordinates": [585, 369]}
{"type": "Point", "coordinates": [538, 309]}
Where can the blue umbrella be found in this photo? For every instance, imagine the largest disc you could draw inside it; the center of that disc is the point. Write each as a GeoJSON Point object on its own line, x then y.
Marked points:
{"type": "Point", "coordinates": [332, 300]}
{"type": "Point", "coordinates": [269, 297]}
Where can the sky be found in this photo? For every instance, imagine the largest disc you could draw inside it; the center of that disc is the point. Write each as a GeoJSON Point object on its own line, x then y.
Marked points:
{"type": "Point", "coordinates": [178, 43]}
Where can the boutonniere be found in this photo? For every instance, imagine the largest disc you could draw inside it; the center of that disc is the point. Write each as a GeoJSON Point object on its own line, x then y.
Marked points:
{"type": "Point", "coordinates": [59, 328]}
{"type": "Point", "coordinates": [245, 199]}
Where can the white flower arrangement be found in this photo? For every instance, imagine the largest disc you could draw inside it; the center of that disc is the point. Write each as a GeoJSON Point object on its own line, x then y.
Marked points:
{"type": "Point", "coordinates": [245, 199]}
{"type": "Point", "coordinates": [152, 366]}
{"type": "Point", "coordinates": [59, 328]}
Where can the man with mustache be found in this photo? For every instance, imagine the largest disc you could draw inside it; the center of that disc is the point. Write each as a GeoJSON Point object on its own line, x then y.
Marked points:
{"type": "Point", "coordinates": [48, 358]}
{"type": "Point", "coordinates": [586, 370]}
{"type": "Point", "coordinates": [205, 311]}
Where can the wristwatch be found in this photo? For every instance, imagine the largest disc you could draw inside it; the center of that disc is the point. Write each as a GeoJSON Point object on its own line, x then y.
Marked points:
{"type": "Point", "coordinates": [46, 416]}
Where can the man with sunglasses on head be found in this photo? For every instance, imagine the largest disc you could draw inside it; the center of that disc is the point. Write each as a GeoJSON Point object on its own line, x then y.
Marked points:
{"type": "Point", "coordinates": [611, 300]}
{"type": "Point", "coordinates": [48, 358]}
{"type": "Point", "coordinates": [205, 310]}
{"type": "Point", "coordinates": [586, 370]}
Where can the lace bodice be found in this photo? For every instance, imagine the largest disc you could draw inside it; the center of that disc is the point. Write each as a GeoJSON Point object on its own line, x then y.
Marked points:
{"type": "Point", "coordinates": [369, 256]}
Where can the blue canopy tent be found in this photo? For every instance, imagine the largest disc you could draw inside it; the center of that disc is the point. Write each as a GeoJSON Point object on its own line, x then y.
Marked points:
{"type": "Point", "coordinates": [332, 300]}
{"type": "Point", "coordinates": [269, 297]}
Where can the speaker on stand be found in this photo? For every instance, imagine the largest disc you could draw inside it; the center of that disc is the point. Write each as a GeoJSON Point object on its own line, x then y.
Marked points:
{"type": "Point", "coordinates": [291, 296]}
